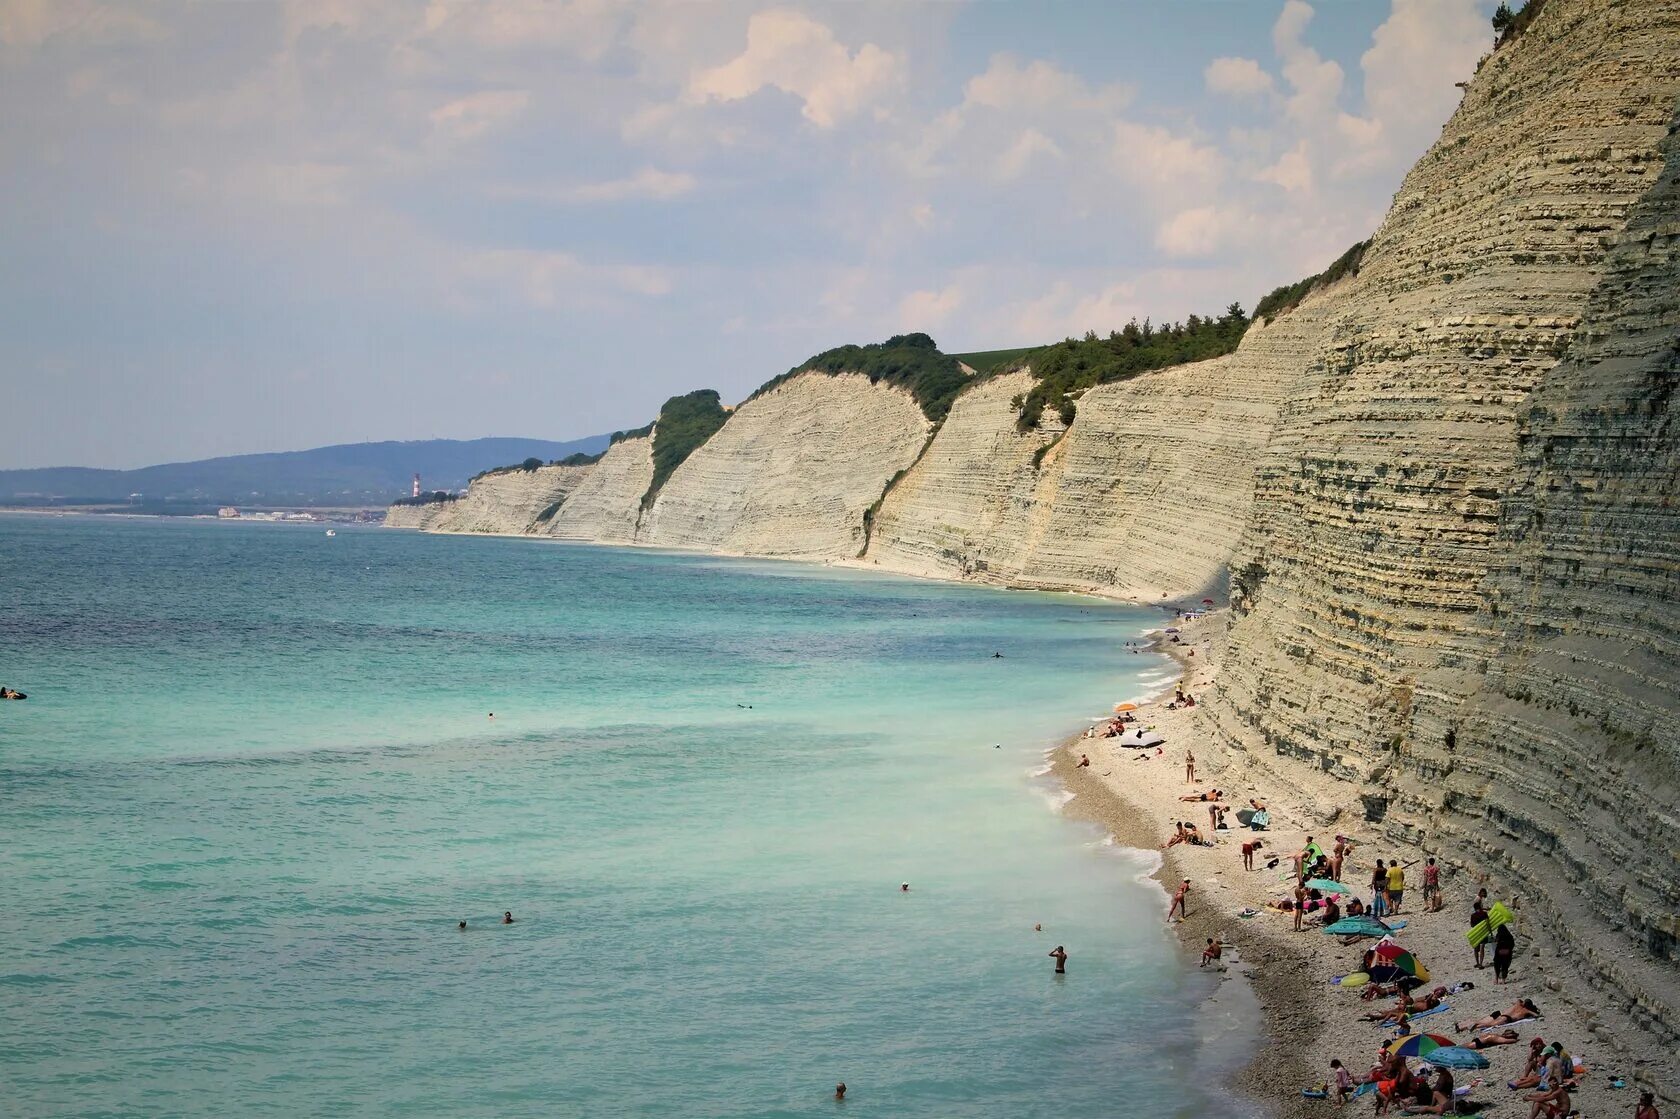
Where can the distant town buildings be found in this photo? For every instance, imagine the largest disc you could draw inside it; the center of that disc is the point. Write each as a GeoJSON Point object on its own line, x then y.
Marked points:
{"type": "Point", "coordinates": [227, 512]}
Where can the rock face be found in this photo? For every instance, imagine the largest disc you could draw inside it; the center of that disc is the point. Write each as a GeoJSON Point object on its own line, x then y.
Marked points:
{"type": "Point", "coordinates": [792, 472]}
{"type": "Point", "coordinates": [408, 516]}
{"type": "Point", "coordinates": [606, 505]}
{"type": "Point", "coordinates": [1143, 497]}
{"type": "Point", "coordinates": [1457, 589]}
{"type": "Point", "coordinates": [508, 501]}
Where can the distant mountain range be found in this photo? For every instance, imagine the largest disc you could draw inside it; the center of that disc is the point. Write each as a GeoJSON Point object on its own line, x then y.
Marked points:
{"type": "Point", "coordinates": [350, 474]}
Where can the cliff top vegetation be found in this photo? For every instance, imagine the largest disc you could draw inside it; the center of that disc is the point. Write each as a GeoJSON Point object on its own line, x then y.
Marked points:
{"type": "Point", "coordinates": [1069, 367]}
{"type": "Point", "coordinates": [1289, 296]}
{"type": "Point", "coordinates": [994, 361]}
{"type": "Point", "coordinates": [435, 497]}
{"type": "Point", "coordinates": [908, 361]}
{"type": "Point", "coordinates": [1509, 24]}
{"type": "Point", "coordinates": [685, 422]}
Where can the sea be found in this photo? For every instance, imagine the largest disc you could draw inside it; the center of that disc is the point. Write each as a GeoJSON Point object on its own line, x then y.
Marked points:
{"type": "Point", "coordinates": [263, 773]}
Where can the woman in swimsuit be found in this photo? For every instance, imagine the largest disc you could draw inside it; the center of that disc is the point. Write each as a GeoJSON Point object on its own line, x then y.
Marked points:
{"type": "Point", "coordinates": [1520, 1010]}
{"type": "Point", "coordinates": [1488, 1041]}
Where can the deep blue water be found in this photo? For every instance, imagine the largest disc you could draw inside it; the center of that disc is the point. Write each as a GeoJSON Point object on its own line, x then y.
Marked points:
{"type": "Point", "coordinates": [256, 786]}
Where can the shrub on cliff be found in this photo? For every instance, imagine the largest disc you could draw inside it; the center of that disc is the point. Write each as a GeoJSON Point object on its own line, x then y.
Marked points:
{"type": "Point", "coordinates": [1507, 24]}
{"type": "Point", "coordinates": [685, 422]}
{"type": "Point", "coordinates": [580, 459]}
{"type": "Point", "coordinates": [1289, 296]}
{"type": "Point", "coordinates": [908, 361]}
{"type": "Point", "coordinates": [1070, 367]}
{"type": "Point", "coordinates": [435, 497]}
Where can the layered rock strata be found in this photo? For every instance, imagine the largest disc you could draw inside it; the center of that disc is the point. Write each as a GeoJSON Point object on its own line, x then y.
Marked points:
{"type": "Point", "coordinates": [792, 472]}
{"type": "Point", "coordinates": [1457, 589]}
{"type": "Point", "coordinates": [506, 501]}
{"type": "Point", "coordinates": [1142, 497]}
{"type": "Point", "coordinates": [606, 505]}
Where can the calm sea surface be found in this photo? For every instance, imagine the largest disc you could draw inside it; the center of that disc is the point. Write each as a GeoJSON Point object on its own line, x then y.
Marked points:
{"type": "Point", "coordinates": [255, 787]}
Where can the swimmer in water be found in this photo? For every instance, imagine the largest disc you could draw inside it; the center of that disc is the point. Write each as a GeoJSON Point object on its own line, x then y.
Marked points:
{"type": "Point", "coordinates": [840, 1091]}
{"type": "Point", "coordinates": [492, 714]}
{"type": "Point", "coordinates": [997, 656]}
{"type": "Point", "coordinates": [462, 925]}
{"type": "Point", "coordinates": [1060, 956]}
{"type": "Point", "coordinates": [904, 887]}
{"type": "Point", "coordinates": [507, 918]}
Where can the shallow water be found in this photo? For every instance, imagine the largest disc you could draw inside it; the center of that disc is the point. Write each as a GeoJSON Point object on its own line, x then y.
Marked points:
{"type": "Point", "coordinates": [255, 787]}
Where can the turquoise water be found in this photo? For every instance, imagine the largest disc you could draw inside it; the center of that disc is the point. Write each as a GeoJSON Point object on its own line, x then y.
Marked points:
{"type": "Point", "coordinates": [256, 785]}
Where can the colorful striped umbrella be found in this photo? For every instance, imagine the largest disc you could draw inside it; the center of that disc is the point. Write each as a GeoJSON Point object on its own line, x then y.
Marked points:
{"type": "Point", "coordinates": [1418, 1045]}
{"type": "Point", "coordinates": [1401, 960]}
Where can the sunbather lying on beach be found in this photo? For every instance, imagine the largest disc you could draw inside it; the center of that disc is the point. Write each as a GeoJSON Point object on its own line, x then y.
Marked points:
{"type": "Point", "coordinates": [1409, 1005]}
{"type": "Point", "coordinates": [1520, 1010]}
{"type": "Point", "coordinates": [1488, 1041]}
{"type": "Point", "coordinates": [1211, 794]}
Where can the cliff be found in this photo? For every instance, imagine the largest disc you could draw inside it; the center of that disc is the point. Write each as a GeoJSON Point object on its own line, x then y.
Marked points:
{"type": "Point", "coordinates": [792, 472]}
{"type": "Point", "coordinates": [1143, 496]}
{"type": "Point", "coordinates": [1456, 593]}
{"type": "Point", "coordinates": [506, 501]}
{"type": "Point", "coordinates": [606, 504]}
{"type": "Point", "coordinates": [409, 516]}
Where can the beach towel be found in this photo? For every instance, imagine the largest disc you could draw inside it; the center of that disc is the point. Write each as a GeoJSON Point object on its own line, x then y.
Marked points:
{"type": "Point", "coordinates": [1443, 1008]}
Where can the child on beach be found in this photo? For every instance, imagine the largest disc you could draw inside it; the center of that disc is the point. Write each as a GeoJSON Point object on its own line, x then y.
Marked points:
{"type": "Point", "coordinates": [1341, 1083]}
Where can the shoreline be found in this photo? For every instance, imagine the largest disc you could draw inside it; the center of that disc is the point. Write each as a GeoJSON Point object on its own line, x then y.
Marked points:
{"type": "Point", "coordinates": [1268, 971]}
{"type": "Point", "coordinates": [1308, 1020]}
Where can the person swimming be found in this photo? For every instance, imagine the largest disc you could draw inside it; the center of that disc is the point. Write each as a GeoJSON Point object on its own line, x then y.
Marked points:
{"type": "Point", "coordinates": [904, 887]}
{"type": "Point", "coordinates": [840, 1092]}
{"type": "Point", "coordinates": [462, 925]}
{"type": "Point", "coordinates": [507, 917]}
{"type": "Point", "coordinates": [11, 693]}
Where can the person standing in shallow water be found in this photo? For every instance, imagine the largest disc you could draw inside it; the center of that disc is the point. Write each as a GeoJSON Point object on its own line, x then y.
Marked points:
{"type": "Point", "coordinates": [1059, 954]}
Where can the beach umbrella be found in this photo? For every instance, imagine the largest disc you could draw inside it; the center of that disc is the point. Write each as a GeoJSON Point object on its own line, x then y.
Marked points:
{"type": "Point", "coordinates": [1418, 1045]}
{"type": "Point", "coordinates": [1362, 925]}
{"type": "Point", "coordinates": [1172, 629]}
{"type": "Point", "coordinates": [1328, 886]}
{"type": "Point", "coordinates": [1401, 960]}
{"type": "Point", "coordinates": [1118, 707]}
{"type": "Point", "coordinates": [1207, 602]}
{"type": "Point", "coordinates": [1138, 739]}
{"type": "Point", "coordinates": [1456, 1056]}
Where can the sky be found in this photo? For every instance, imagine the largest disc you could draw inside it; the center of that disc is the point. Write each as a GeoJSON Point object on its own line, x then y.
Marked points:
{"type": "Point", "coordinates": [234, 227]}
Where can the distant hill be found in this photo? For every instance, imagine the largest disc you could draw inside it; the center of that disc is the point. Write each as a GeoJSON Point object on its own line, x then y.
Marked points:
{"type": "Point", "coordinates": [347, 474]}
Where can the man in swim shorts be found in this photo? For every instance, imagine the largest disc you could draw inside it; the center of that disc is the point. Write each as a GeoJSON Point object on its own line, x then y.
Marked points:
{"type": "Point", "coordinates": [1059, 954]}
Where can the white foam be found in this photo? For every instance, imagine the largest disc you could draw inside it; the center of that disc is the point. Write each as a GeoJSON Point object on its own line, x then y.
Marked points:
{"type": "Point", "coordinates": [1057, 797]}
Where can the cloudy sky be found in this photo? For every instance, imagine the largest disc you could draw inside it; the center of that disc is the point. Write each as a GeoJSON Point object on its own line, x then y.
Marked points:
{"type": "Point", "coordinates": [253, 226]}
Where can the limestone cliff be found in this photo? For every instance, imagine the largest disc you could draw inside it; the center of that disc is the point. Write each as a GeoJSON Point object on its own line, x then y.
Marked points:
{"type": "Point", "coordinates": [606, 504]}
{"type": "Point", "coordinates": [1143, 497]}
{"type": "Point", "coordinates": [504, 501]}
{"type": "Point", "coordinates": [792, 472]}
{"type": "Point", "coordinates": [409, 516]}
{"type": "Point", "coordinates": [1457, 588]}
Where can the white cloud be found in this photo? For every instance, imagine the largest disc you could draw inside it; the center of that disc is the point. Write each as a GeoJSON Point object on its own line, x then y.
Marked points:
{"type": "Point", "coordinates": [1240, 77]}
{"type": "Point", "coordinates": [584, 28]}
{"type": "Point", "coordinates": [792, 52]}
{"type": "Point", "coordinates": [1038, 86]}
{"type": "Point", "coordinates": [1166, 162]}
{"type": "Point", "coordinates": [928, 310]}
{"type": "Point", "coordinates": [30, 23]}
{"type": "Point", "coordinates": [1293, 171]}
{"type": "Point", "coordinates": [469, 117]}
{"type": "Point", "coordinates": [649, 183]}
{"type": "Point", "coordinates": [1029, 147]}
{"type": "Point", "coordinates": [549, 280]}
{"type": "Point", "coordinates": [1194, 233]}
